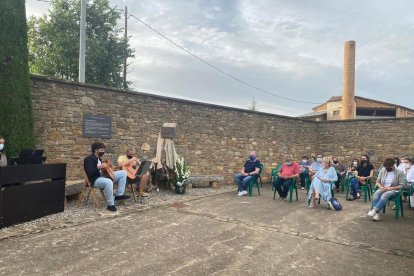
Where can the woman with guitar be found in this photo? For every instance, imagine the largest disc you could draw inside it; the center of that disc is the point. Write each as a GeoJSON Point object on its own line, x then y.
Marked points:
{"type": "Point", "coordinates": [101, 175]}
{"type": "Point", "coordinates": [134, 168]}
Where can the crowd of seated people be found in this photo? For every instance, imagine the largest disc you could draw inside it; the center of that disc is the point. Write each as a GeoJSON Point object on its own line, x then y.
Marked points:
{"type": "Point", "coordinates": [324, 174]}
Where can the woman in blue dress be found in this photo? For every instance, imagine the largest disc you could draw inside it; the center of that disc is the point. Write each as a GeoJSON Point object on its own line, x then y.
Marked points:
{"type": "Point", "coordinates": [322, 184]}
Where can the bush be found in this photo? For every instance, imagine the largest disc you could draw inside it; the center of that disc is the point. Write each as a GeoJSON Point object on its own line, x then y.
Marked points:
{"type": "Point", "coordinates": [16, 116]}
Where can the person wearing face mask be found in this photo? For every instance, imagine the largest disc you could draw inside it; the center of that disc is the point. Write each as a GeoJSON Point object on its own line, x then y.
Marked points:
{"type": "Point", "coordinates": [130, 159]}
{"type": "Point", "coordinates": [389, 181]}
{"type": "Point", "coordinates": [93, 165]}
{"type": "Point", "coordinates": [317, 165]}
{"type": "Point", "coordinates": [250, 168]}
{"type": "Point", "coordinates": [304, 171]}
{"type": "Point", "coordinates": [3, 158]}
{"type": "Point", "coordinates": [408, 170]}
{"type": "Point", "coordinates": [402, 163]}
{"type": "Point", "coordinates": [289, 171]}
{"type": "Point", "coordinates": [340, 170]}
{"type": "Point", "coordinates": [321, 184]}
{"type": "Point", "coordinates": [364, 171]}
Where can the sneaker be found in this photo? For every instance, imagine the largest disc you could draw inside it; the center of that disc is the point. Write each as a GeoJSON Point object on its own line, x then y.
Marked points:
{"type": "Point", "coordinates": [371, 213]}
{"type": "Point", "coordinates": [282, 199]}
{"type": "Point", "coordinates": [330, 206]}
{"type": "Point", "coordinates": [143, 194]}
{"type": "Point", "coordinates": [121, 197]}
{"type": "Point", "coordinates": [243, 193]}
{"type": "Point", "coordinates": [302, 188]}
{"type": "Point", "coordinates": [376, 217]}
{"type": "Point", "coordinates": [393, 207]}
{"type": "Point", "coordinates": [239, 193]}
{"type": "Point", "coordinates": [111, 208]}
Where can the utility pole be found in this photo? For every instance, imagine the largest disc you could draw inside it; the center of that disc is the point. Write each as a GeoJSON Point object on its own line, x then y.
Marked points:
{"type": "Point", "coordinates": [82, 42]}
{"type": "Point", "coordinates": [126, 39]}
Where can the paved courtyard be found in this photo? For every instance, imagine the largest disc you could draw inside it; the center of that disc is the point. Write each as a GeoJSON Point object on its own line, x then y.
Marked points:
{"type": "Point", "coordinates": [219, 235]}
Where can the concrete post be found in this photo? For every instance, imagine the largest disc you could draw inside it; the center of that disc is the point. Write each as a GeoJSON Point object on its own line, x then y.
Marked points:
{"type": "Point", "coordinates": [348, 82]}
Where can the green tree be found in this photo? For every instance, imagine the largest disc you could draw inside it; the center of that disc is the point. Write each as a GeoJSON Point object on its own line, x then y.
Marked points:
{"type": "Point", "coordinates": [16, 117]}
{"type": "Point", "coordinates": [54, 43]}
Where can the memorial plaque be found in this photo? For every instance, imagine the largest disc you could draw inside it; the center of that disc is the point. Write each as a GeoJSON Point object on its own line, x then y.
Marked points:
{"type": "Point", "coordinates": [97, 126]}
{"type": "Point", "coordinates": [168, 130]}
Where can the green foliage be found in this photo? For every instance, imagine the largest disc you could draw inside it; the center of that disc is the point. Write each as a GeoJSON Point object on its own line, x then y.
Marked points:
{"type": "Point", "coordinates": [54, 43]}
{"type": "Point", "coordinates": [16, 118]}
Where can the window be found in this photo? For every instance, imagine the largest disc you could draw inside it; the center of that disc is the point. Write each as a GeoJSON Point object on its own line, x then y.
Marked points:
{"type": "Point", "coordinates": [336, 112]}
{"type": "Point", "coordinates": [375, 112]}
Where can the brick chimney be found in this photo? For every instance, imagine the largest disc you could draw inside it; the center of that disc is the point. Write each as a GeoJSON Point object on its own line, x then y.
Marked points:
{"type": "Point", "coordinates": [348, 82]}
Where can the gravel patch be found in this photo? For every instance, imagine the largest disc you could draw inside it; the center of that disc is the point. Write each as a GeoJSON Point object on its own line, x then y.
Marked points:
{"type": "Point", "coordinates": [88, 212]}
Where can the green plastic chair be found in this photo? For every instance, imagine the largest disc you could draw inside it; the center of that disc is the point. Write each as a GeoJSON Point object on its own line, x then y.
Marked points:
{"type": "Point", "coordinates": [273, 175]}
{"type": "Point", "coordinates": [254, 182]}
{"type": "Point", "coordinates": [409, 193]}
{"type": "Point", "coordinates": [366, 188]}
{"type": "Point", "coordinates": [342, 181]}
{"type": "Point", "coordinates": [398, 204]}
{"type": "Point", "coordinates": [307, 183]}
{"type": "Point", "coordinates": [291, 188]}
{"type": "Point", "coordinates": [262, 166]}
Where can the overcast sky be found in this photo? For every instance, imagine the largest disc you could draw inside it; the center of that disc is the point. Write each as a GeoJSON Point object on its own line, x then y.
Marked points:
{"type": "Point", "coordinates": [293, 48]}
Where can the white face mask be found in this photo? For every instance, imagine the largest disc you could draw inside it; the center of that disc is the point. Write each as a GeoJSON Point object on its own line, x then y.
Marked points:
{"type": "Point", "coordinates": [355, 163]}
{"type": "Point", "coordinates": [1, 147]}
{"type": "Point", "coordinates": [407, 165]}
{"type": "Point", "coordinates": [305, 161]}
{"type": "Point", "coordinates": [319, 160]}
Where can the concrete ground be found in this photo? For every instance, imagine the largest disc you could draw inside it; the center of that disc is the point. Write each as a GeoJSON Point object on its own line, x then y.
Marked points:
{"type": "Point", "coordinates": [221, 235]}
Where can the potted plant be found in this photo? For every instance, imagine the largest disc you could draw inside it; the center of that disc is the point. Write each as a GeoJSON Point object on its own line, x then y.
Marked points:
{"type": "Point", "coordinates": [181, 174]}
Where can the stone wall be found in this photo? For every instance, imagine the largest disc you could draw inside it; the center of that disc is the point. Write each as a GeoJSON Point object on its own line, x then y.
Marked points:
{"type": "Point", "coordinates": [379, 138]}
{"type": "Point", "coordinates": [213, 139]}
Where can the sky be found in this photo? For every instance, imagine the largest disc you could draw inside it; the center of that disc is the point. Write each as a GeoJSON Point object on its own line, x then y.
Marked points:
{"type": "Point", "coordinates": [291, 48]}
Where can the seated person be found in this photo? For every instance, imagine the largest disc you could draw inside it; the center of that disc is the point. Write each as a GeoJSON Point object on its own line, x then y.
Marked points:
{"type": "Point", "coordinates": [389, 182]}
{"type": "Point", "coordinates": [93, 165]}
{"type": "Point", "coordinates": [3, 158]}
{"type": "Point", "coordinates": [289, 171]}
{"type": "Point", "coordinates": [408, 171]}
{"type": "Point", "coordinates": [402, 162]}
{"type": "Point", "coordinates": [321, 184]}
{"type": "Point", "coordinates": [340, 170]}
{"type": "Point", "coordinates": [351, 171]}
{"type": "Point", "coordinates": [130, 159]}
{"type": "Point", "coordinates": [365, 170]}
{"type": "Point", "coordinates": [304, 171]}
{"type": "Point", "coordinates": [250, 168]}
{"type": "Point", "coordinates": [316, 166]}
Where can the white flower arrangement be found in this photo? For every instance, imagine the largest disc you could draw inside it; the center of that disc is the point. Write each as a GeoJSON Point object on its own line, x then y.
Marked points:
{"type": "Point", "coordinates": [181, 172]}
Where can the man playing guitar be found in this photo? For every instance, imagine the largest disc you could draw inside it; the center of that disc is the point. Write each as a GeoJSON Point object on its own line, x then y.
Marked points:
{"type": "Point", "coordinates": [135, 169]}
{"type": "Point", "coordinates": [94, 168]}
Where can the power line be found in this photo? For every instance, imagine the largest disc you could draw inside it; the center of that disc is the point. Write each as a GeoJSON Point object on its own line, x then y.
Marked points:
{"type": "Point", "coordinates": [218, 69]}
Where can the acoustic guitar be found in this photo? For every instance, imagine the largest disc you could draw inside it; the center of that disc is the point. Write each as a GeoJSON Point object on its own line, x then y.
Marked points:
{"type": "Point", "coordinates": [108, 171]}
{"type": "Point", "coordinates": [131, 171]}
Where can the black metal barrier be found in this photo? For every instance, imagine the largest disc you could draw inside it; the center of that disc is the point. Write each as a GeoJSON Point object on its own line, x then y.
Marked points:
{"type": "Point", "coordinates": [29, 192]}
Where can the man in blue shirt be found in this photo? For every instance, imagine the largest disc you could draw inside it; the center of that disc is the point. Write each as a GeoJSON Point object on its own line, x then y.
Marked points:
{"type": "Point", "coordinates": [250, 168]}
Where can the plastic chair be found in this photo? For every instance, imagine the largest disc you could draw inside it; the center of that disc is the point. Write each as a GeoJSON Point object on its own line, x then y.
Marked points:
{"type": "Point", "coordinates": [365, 188]}
{"type": "Point", "coordinates": [398, 204]}
{"type": "Point", "coordinates": [260, 174]}
{"type": "Point", "coordinates": [273, 174]}
{"type": "Point", "coordinates": [291, 188]}
{"type": "Point", "coordinates": [254, 179]}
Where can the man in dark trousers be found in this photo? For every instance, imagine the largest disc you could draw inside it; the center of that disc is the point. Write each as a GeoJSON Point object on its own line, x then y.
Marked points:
{"type": "Point", "coordinates": [250, 168]}
{"type": "Point", "coordinates": [93, 165]}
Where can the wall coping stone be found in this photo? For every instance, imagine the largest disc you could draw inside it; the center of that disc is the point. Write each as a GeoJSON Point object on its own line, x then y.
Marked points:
{"type": "Point", "coordinates": [111, 89]}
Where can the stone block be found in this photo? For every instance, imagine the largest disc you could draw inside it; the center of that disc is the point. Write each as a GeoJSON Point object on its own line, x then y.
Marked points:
{"type": "Point", "coordinates": [73, 187]}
